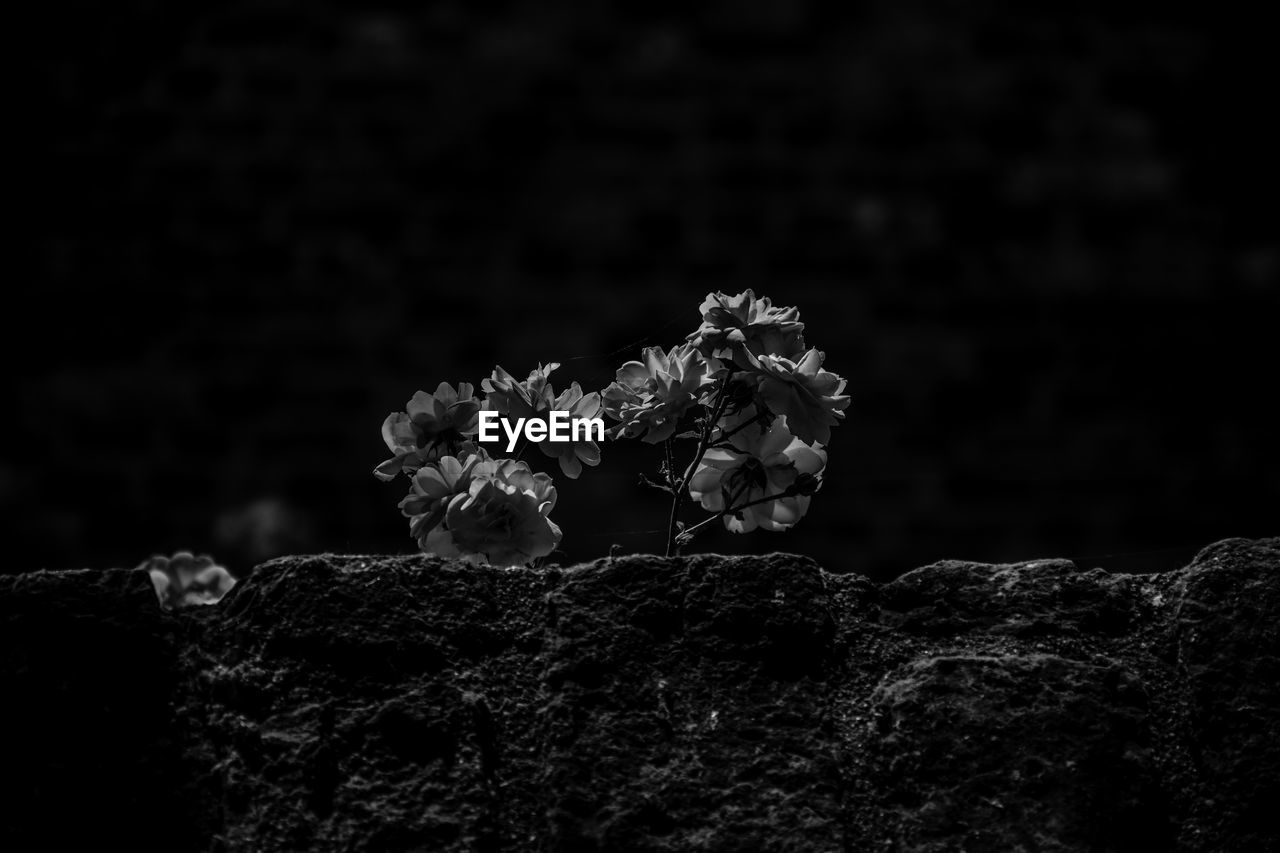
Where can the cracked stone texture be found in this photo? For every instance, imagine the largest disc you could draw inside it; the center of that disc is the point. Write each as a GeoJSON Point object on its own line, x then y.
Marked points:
{"type": "Point", "coordinates": [643, 703]}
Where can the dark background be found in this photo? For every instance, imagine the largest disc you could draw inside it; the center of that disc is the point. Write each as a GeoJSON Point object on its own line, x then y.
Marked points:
{"type": "Point", "coordinates": [1040, 244]}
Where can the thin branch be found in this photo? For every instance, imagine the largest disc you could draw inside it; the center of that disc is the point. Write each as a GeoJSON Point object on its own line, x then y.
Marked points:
{"type": "Point", "coordinates": [764, 500]}
{"type": "Point", "coordinates": [725, 436]}
{"type": "Point", "coordinates": [654, 484]}
{"type": "Point", "coordinates": [682, 488]}
{"type": "Point", "coordinates": [671, 465]}
{"type": "Point", "coordinates": [687, 534]}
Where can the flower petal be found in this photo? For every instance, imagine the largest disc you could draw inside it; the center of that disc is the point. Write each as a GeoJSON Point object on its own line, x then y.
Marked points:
{"type": "Point", "coordinates": [808, 460]}
{"type": "Point", "coordinates": [570, 465]}
{"type": "Point", "coordinates": [386, 471]}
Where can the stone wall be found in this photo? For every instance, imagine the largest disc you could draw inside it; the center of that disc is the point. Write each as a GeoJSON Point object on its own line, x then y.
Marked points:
{"type": "Point", "coordinates": [642, 703]}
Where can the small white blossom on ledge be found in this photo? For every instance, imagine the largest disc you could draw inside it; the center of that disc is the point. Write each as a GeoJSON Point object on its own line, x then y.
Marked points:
{"type": "Point", "coordinates": [184, 579]}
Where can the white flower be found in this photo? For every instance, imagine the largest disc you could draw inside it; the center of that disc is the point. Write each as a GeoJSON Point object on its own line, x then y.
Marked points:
{"type": "Point", "coordinates": [430, 426]}
{"type": "Point", "coordinates": [760, 463]}
{"type": "Point", "coordinates": [572, 455]}
{"type": "Point", "coordinates": [513, 398]}
{"type": "Point", "coordinates": [186, 579]}
{"type": "Point", "coordinates": [812, 399]}
{"type": "Point", "coordinates": [742, 325]}
{"type": "Point", "coordinates": [433, 487]}
{"type": "Point", "coordinates": [501, 518]}
{"type": "Point", "coordinates": [650, 397]}
{"type": "Point", "coordinates": [535, 399]}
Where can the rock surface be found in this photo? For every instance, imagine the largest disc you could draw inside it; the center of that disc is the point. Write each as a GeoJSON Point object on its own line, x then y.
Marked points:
{"type": "Point", "coordinates": [643, 703]}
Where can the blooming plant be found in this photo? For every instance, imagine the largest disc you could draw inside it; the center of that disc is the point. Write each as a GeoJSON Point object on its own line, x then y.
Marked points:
{"type": "Point", "coordinates": [743, 389]}
{"type": "Point", "coordinates": [755, 403]}
{"type": "Point", "coordinates": [462, 502]}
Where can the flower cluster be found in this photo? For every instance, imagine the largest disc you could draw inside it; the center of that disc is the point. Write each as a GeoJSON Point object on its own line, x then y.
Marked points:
{"type": "Point", "coordinates": [756, 399]}
{"type": "Point", "coordinates": [744, 387]}
{"type": "Point", "coordinates": [462, 502]}
{"type": "Point", "coordinates": [482, 509]}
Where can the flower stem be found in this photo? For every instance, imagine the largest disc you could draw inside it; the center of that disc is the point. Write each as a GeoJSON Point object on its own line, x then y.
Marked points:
{"type": "Point", "coordinates": [682, 487]}
{"type": "Point", "coordinates": [654, 484]}
{"type": "Point", "coordinates": [671, 465]}
{"type": "Point", "coordinates": [687, 534]}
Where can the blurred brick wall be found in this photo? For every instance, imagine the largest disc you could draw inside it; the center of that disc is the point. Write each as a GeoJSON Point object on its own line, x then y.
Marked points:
{"type": "Point", "coordinates": [1040, 246]}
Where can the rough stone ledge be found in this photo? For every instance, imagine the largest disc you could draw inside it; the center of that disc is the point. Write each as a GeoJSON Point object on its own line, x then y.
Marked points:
{"type": "Point", "coordinates": [643, 703]}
